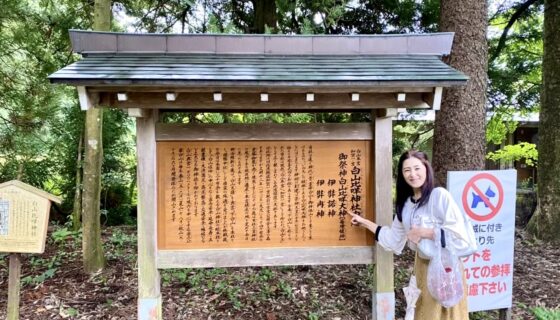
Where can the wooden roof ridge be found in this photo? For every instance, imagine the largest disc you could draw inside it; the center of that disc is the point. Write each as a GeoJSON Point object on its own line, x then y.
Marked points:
{"type": "Point", "coordinates": [87, 42]}
{"type": "Point", "coordinates": [32, 189]}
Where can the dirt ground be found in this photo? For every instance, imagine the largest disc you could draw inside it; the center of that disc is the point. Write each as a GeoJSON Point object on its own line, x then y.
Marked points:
{"type": "Point", "coordinates": [54, 287]}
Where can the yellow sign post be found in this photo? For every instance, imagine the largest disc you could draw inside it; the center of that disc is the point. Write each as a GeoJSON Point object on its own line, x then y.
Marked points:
{"type": "Point", "coordinates": [24, 217]}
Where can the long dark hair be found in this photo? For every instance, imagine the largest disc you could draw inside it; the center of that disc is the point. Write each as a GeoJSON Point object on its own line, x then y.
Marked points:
{"type": "Point", "coordinates": [404, 190]}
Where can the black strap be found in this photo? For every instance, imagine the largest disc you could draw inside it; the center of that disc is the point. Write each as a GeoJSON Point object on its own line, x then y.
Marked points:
{"type": "Point", "coordinates": [377, 233]}
{"type": "Point", "coordinates": [442, 238]}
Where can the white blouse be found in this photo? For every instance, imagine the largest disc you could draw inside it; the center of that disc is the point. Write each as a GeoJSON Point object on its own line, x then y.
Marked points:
{"type": "Point", "coordinates": [440, 207]}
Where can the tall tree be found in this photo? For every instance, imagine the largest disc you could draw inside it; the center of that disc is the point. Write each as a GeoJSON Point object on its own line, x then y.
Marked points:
{"type": "Point", "coordinates": [265, 15]}
{"type": "Point", "coordinates": [459, 134]}
{"type": "Point", "coordinates": [546, 221]}
{"type": "Point", "coordinates": [92, 250]}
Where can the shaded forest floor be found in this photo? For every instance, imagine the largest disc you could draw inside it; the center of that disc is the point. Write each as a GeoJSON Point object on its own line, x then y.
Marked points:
{"type": "Point", "coordinates": [54, 286]}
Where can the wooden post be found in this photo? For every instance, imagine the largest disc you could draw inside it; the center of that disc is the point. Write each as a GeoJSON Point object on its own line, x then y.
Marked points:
{"type": "Point", "coordinates": [383, 297]}
{"type": "Point", "coordinates": [14, 275]}
{"type": "Point", "coordinates": [505, 314]}
{"type": "Point", "coordinates": [149, 295]}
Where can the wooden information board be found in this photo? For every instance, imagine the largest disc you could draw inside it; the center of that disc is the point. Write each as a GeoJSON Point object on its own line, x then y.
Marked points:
{"type": "Point", "coordinates": [23, 220]}
{"type": "Point", "coordinates": [247, 194]}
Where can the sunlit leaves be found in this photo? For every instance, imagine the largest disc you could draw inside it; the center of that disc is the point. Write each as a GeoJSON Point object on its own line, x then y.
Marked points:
{"type": "Point", "coordinates": [522, 151]}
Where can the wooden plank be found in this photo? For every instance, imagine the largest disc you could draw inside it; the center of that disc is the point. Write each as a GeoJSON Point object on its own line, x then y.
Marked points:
{"type": "Point", "coordinates": [255, 89]}
{"type": "Point", "coordinates": [148, 275]}
{"type": "Point", "coordinates": [433, 98]}
{"type": "Point", "coordinates": [136, 112]}
{"type": "Point", "coordinates": [255, 194]}
{"type": "Point", "coordinates": [263, 132]}
{"type": "Point", "coordinates": [505, 314]}
{"type": "Point", "coordinates": [83, 97]}
{"type": "Point", "coordinates": [239, 101]}
{"type": "Point", "coordinates": [263, 257]}
{"type": "Point", "coordinates": [384, 284]}
{"type": "Point", "coordinates": [14, 278]}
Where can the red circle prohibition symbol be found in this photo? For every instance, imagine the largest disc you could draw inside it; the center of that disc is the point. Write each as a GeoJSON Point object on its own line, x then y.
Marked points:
{"type": "Point", "coordinates": [494, 208]}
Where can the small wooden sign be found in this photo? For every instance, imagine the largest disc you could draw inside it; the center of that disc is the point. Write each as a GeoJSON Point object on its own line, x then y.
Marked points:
{"type": "Point", "coordinates": [24, 216]}
{"type": "Point", "coordinates": [262, 194]}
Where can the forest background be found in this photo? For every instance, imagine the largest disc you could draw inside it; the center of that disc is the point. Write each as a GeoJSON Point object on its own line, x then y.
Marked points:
{"type": "Point", "coordinates": [42, 127]}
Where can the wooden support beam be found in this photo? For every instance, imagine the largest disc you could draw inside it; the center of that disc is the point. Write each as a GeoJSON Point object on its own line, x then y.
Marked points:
{"type": "Point", "coordinates": [433, 99]}
{"type": "Point", "coordinates": [264, 131]}
{"type": "Point", "coordinates": [136, 112]}
{"type": "Point", "coordinates": [387, 113]}
{"type": "Point", "coordinates": [258, 89]}
{"type": "Point", "coordinates": [383, 297]}
{"type": "Point", "coordinates": [277, 101]}
{"type": "Point", "coordinates": [216, 258]}
{"type": "Point", "coordinates": [87, 99]}
{"type": "Point", "coordinates": [149, 294]}
{"type": "Point", "coordinates": [14, 284]}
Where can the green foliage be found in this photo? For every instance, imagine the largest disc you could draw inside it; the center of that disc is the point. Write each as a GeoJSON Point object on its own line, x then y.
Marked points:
{"type": "Point", "coordinates": [286, 289]}
{"type": "Point", "coordinates": [209, 117]}
{"type": "Point", "coordinates": [293, 17]}
{"type": "Point", "coordinates": [522, 151]}
{"type": "Point", "coordinates": [33, 44]}
{"type": "Point", "coordinates": [60, 235]}
{"type": "Point", "coordinates": [50, 267]}
{"type": "Point", "coordinates": [543, 313]}
{"type": "Point", "coordinates": [38, 279]}
{"type": "Point", "coordinates": [411, 135]}
{"type": "Point", "coordinates": [482, 315]}
{"type": "Point", "coordinates": [515, 73]}
{"type": "Point", "coordinates": [313, 316]}
{"type": "Point", "coordinates": [500, 125]}
{"type": "Point", "coordinates": [68, 312]}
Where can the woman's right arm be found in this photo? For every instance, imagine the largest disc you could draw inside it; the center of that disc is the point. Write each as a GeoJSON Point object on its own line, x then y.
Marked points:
{"type": "Point", "coordinates": [390, 238]}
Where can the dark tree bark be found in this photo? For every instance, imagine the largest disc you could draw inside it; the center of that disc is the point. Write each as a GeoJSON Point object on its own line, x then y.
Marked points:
{"type": "Point", "coordinates": [265, 15]}
{"type": "Point", "coordinates": [545, 223]}
{"type": "Point", "coordinates": [459, 134]}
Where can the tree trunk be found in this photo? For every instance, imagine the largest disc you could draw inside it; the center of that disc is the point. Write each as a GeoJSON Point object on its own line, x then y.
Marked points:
{"type": "Point", "coordinates": [459, 134]}
{"type": "Point", "coordinates": [77, 208]}
{"type": "Point", "coordinates": [545, 223]}
{"type": "Point", "coordinates": [265, 15]}
{"type": "Point", "coordinates": [92, 249]}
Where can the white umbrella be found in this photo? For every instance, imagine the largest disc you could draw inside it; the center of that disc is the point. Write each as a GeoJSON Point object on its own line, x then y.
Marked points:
{"type": "Point", "coordinates": [411, 293]}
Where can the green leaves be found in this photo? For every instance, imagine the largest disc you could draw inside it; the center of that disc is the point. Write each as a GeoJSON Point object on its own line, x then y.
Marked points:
{"type": "Point", "coordinates": [515, 73]}
{"type": "Point", "coordinates": [522, 151]}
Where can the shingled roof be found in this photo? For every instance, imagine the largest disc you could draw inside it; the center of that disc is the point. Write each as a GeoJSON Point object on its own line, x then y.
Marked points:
{"type": "Point", "coordinates": [261, 60]}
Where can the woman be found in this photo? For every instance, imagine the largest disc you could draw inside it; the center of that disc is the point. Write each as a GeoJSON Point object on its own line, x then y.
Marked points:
{"type": "Point", "coordinates": [418, 204]}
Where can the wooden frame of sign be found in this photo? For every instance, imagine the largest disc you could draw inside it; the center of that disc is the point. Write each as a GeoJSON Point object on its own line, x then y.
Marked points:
{"type": "Point", "coordinates": [154, 137]}
{"type": "Point", "coordinates": [263, 194]}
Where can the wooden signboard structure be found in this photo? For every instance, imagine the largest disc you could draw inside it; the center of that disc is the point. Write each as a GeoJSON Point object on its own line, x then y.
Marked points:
{"type": "Point", "coordinates": [224, 195]}
{"type": "Point", "coordinates": [24, 218]}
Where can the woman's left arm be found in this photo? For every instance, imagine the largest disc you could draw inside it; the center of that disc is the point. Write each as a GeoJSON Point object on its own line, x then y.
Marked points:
{"type": "Point", "coordinates": [452, 221]}
{"type": "Point", "coordinates": [418, 233]}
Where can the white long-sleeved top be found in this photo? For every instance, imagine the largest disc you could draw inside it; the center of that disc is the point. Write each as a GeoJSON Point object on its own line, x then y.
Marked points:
{"type": "Point", "coordinates": [440, 207]}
